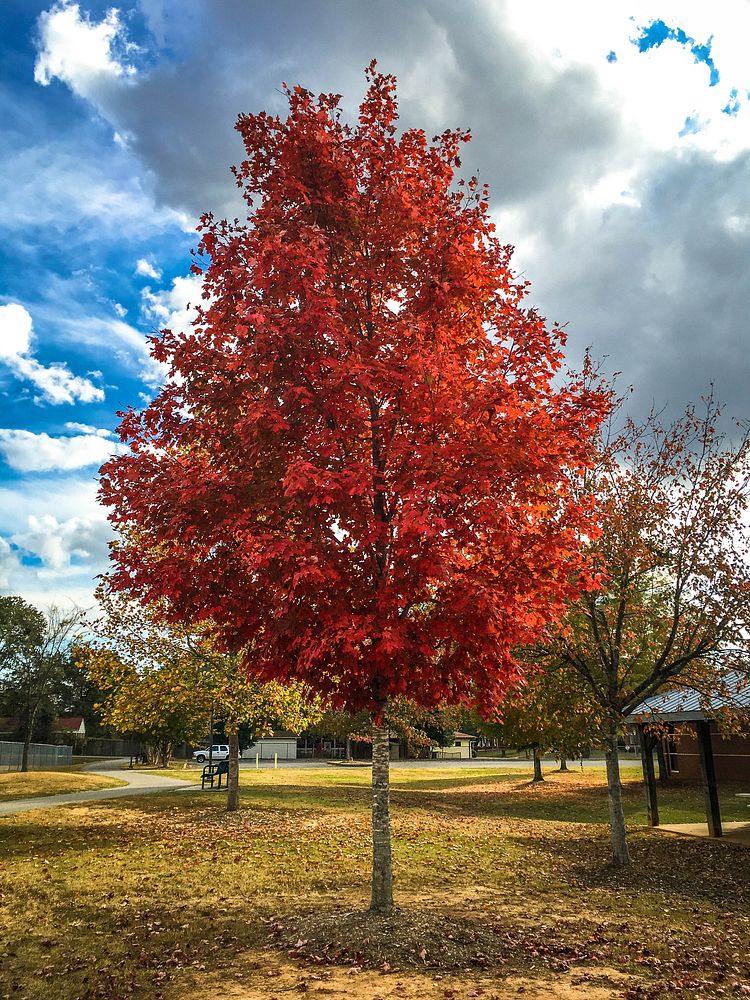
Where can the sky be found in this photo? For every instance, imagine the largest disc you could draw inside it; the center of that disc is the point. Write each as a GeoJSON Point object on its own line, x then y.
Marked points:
{"type": "Point", "coordinates": [615, 138]}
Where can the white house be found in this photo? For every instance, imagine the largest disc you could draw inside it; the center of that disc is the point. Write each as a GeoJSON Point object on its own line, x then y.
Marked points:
{"type": "Point", "coordinates": [460, 750]}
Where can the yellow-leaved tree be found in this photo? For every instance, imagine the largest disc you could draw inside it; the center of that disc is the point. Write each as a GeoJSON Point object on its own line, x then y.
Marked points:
{"type": "Point", "coordinates": [163, 683]}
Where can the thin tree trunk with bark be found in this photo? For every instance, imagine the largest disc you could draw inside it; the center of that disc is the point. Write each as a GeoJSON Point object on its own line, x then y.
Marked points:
{"type": "Point", "coordinates": [27, 739]}
{"type": "Point", "coordinates": [165, 753]}
{"type": "Point", "coordinates": [538, 776]}
{"type": "Point", "coordinates": [233, 777]}
{"type": "Point", "coordinates": [25, 752]}
{"type": "Point", "coordinates": [563, 764]}
{"type": "Point", "coordinates": [620, 851]}
{"type": "Point", "coordinates": [382, 869]}
{"type": "Point", "coordinates": [649, 779]}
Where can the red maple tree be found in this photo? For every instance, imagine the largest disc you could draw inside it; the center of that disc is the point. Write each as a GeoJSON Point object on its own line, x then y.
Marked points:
{"type": "Point", "coordinates": [359, 470]}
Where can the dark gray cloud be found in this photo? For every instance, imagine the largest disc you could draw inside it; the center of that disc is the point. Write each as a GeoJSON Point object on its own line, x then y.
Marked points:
{"type": "Point", "coordinates": [659, 284]}
{"type": "Point", "coordinates": [456, 63]}
{"type": "Point", "coordinates": [661, 288]}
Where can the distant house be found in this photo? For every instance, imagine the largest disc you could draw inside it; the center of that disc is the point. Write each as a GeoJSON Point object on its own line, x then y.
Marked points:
{"type": "Point", "coordinates": [461, 748]}
{"type": "Point", "coordinates": [66, 727]}
{"type": "Point", "coordinates": [281, 744]}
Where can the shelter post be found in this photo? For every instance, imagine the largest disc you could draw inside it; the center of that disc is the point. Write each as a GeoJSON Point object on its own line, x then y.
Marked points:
{"type": "Point", "coordinates": [708, 776]}
{"type": "Point", "coordinates": [661, 759]}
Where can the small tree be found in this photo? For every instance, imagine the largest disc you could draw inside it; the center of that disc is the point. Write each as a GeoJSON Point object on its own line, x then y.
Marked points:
{"type": "Point", "coordinates": [259, 707]}
{"type": "Point", "coordinates": [161, 703]}
{"type": "Point", "coordinates": [34, 653]}
{"type": "Point", "coordinates": [553, 712]}
{"type": "Point", "coordinates": [359, 469]}
{"type": "Point", "coordinates": [673, 605]}
{"type": "Point", "coordinates": [165, 683]}
{"type": "Point", "coordinates": [417, 727]}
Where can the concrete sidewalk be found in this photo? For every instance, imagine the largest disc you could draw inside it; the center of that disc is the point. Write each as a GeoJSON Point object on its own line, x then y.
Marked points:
{"type": "Point", "coordinates": [735, 833]}
{"type": "Point", "coordinates": [138, 783]}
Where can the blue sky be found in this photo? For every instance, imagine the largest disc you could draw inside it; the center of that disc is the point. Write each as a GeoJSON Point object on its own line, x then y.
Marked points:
{"type": "Point", "coordinates": [616, 143]}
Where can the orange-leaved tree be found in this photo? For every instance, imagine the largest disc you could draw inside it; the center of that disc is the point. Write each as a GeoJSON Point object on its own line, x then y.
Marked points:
{"type": "Point", "coordinates": [359, 468]}
{"type": "Point", "coordinates": [672, 609]}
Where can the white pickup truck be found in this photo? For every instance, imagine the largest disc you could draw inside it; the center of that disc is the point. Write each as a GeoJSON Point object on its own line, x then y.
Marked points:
{"type": "Point", "coordinates": [219, 751]}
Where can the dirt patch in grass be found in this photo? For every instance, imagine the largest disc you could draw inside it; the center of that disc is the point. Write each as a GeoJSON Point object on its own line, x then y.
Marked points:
{"type": "Point", "coordinates": [280, 977]}
{"type": "Point", "coordinates": [15, 785]}
{"type": "Point", "coordinates": [404, 939]}
{"type": "Point", "coordinates": [504, 945]}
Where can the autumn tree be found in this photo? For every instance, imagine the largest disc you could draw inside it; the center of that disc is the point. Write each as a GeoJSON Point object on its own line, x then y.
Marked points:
{"type": "Point", "coordinates": [162, 703]}
{"type": "Point", "coordinates": [552, 712]}
{"type": "Point", "coordinates": [164, 683]}
{"type": "Point", "coordinates": [34, 655]}
{"type": "Point", "coordinates": [416, 726]}
{"type": "Point", "coordinates": [360, 465]}
{"type": "Point", "coordinates": [673, 603]}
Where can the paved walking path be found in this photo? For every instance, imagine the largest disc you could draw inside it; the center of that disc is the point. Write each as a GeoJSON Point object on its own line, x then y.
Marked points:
{"type": "Point", "coordinates": [138, 783]}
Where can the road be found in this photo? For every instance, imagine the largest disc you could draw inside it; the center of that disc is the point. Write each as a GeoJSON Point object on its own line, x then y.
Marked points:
{"type": "Point", "coordinates": [145, 782]}
{"type": "Point", "coordinates": [482, 763]}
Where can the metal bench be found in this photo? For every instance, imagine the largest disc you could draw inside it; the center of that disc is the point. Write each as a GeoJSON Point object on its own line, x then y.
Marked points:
{"type": "Point", "coordinates": [212, 772]}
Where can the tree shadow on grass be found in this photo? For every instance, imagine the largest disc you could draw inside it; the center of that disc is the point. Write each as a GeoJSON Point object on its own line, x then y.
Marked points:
{"type": "Point", "coordinates": [116, 946]}
{"type": "Point", "coordinates": [694, 869]}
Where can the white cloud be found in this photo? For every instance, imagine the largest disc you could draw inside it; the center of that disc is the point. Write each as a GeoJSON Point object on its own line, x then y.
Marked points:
{"type": "Point", "coordinates": [15, 331]}
{"type": "Point", "coordinates": [58, 543]}
{"type": "Point", "coordinates": [147, 269]}
{"type": "Point", "coordinates": [174, 308]}
{"type": "Point", "coordinates": [67, 496]}
{"type": "Point", "coordinates": [652, 92]}
{"type": "Point", "coordinates": [103, 334]}
{"type": "Point", "coordinates": [120, 310]}
{"type": "Point", "coordinates": [88, 429]}
{"type": "Point", "coordinates": [54, 519]}
{"type": "Point", "coordinates": [80, 52]}
{"type": "Point", "coordinates": [56, 381]}
{"type": "Point", "coordinates": [8, 562]}
{"type": "Point", "coordinates": [26, 451]}
{"type": "Point", "coordinates": [66, 182]}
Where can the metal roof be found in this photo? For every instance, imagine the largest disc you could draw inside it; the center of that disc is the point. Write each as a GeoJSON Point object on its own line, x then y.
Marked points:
{"type": "Point", "coordinates": [686, 705]}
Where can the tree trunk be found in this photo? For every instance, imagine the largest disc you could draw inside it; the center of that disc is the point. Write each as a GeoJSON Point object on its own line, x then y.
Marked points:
{"type": "Point", "coordinates": [165, 753]}
{"type": "Point", "coordinates": [649, 780]}
{"type": "Point", "coordinates": [620, 852]}
{"type": "Point", "coordinates": [563, 764]}
{"type": "Point", "coordinates": [233, 777]}
{"type": "Point", "coordinates": [538, 776]}
{"type": "Point", "coordinates": [27, 738]}
{"type": "Point", "coordinates": [382, 872]}
{"type": "Point", "coordinates": [25, 752]}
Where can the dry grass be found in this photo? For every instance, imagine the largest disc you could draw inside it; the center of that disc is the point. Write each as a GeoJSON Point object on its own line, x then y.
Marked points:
{"type": "Point", "coordinates": [14, 785]}
{"type": "Point", "coordinates": [167, 896]}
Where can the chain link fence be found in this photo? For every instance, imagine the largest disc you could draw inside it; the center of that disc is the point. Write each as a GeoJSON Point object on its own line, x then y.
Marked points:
{"type": "Point", "coordinates": [42, 756]}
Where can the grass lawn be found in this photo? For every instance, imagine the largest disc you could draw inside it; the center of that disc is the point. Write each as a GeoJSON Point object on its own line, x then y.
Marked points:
{"type": "Point", "coordinates": [168, 897]}
{"type": "Point", "coordinates": [14, 785]}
